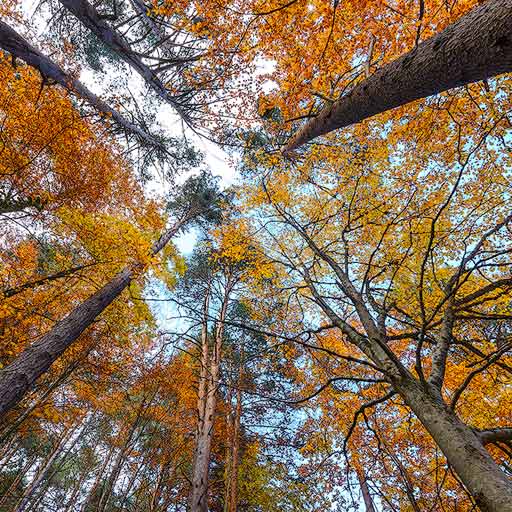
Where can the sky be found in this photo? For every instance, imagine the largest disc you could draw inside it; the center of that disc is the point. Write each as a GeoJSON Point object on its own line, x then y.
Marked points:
{"type": "Point", "coordinates": [214, 158]}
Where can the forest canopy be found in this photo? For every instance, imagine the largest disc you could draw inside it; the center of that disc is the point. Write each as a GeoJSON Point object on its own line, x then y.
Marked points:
{"type": "Point", "coordinates": [327, 329]}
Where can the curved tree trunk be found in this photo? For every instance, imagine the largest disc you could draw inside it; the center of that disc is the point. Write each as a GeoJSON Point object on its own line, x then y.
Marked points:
{"type": "Point", "coordinates": [18, 377]}
{"type": "Point", "coordinates": [19, 48]}
{"type": "Point", "coordinates": [476, 47]}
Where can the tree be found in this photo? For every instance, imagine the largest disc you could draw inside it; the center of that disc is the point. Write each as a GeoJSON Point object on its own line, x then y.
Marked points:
{"type": "Point", "coordinates": [340, 339]}
{"type": "Point", "coordinates": [13, 43]}
{"type": "Point", "coordinates": [19, 376]}
{"type": "Point", "coordinates": [453, 58]}
{"type": "Point", "coordinates": [397, 270]}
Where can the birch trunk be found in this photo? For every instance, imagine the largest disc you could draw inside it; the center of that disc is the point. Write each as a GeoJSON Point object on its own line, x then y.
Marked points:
{"type": "Point", "coordinates": [198, 500]}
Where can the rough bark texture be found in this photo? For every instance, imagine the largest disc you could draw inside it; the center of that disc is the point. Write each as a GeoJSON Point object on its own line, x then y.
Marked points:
{"type": "Point", "coordinates": [476, 47]}
{"type": "Point", "coordinates": [488, 485]}
{"type": "Point", "coordinates": [20, 375]}
{"type": "Point", "coordinates": [19, 48]}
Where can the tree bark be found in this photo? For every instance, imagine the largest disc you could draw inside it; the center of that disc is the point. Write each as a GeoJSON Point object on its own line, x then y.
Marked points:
{"type": "Point", "coordinates": [19, 376]}
{"type": "Point", "coordinates": [476, 47]}
{"type": "Point", "coordinates": [367, 497]}
{"type": "Point", "coordinates": [488, 485]}
{"type": "Point", "coordinates": [13, 427]}
{"type": "Point", "coordinates": [19, 48]}
{"type": "Point", "coordinates": [232, 494]}
{"type": "Point", "coordinates": [198, 500]}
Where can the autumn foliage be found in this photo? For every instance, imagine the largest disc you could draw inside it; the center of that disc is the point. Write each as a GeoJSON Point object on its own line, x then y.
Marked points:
{"type": "Point", "coordinates": [338, 338]}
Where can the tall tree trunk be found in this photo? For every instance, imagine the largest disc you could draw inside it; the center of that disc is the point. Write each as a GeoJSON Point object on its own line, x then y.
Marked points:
{"type": "Point", "coordinates": [155, 495]}
{"type": "Point", "coordinates": [365, 491]}
{"type": "Point", "coordinates": [84, 474]}
{"type": "Point", "coordinates": [13, 427]}
{"type": "Point", "coordinates": [131, 481]}
{"type": "Point", "coordinates": [202, 384]}
{"type": "Point", "coordinates": [19, 376]}
{"type": "Point", "coordinates": [230, 422]}
{"type": "Point", "coordinates": [488, 485]}
{"type": "Point", "coordinates": [8, 450]}
{"type": "Point", "coordinates": [91, 495]}
{"type": "Point", "coordinates": [47, 478]}
{"type": "Point", "coordinates": [9, 493]}
{"type": "Point", "coordinates": [475, 47]}
{"type": "Point", "coordinates": [19, 48]}
{"type": "Point", "coordinates": [198, 499]}
{"type": "Point", "coordinates": [232, 495]}
{"type": "Point", "coordinates": [121, 458]}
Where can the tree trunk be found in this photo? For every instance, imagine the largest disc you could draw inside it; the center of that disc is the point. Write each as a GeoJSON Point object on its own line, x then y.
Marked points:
{"type": "Point", "coordinates": [475, 47]}
{"type": "Point", "coordinates": [232, 501]}
{"type": "Point", "coordinates": [204, 360]}
{"type": "Point", "coordinates": [13, 427]}
{"type": "Point", "coordinates": [121, 458]}
{"type": "Point", "coordinates": [84, 474]}
{"type": "Point", "coordinates": [19, 376]}
{"type": "Point", "coordinates": [198, 500]}
{"type": "Point", "coordinates": [155, 495]}
{"type": "Point", "coordinates": [89, 16]}
{"type": "Point", "coordinates": [19, 48]}
{"type": "Point", "coordinates": [9, 495]}
{"type": "Point", "coordinates": [43, 470]}
{"type": "Point", "coordinates": [8, 450]}
{"type": "Point", "coordinates": [89, 501]}
{"type": "Point", "coordinates": [488, 485]}
{"type": "Point", "coordinates": [367, 497]}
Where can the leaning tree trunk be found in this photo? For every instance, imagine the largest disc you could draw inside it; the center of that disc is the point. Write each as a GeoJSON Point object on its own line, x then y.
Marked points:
{"type": "Point", "coordinates": [476, 47]}
{"type": "Point", "coordinates": [19, 48]}
{"type": "Point", "coordinates": [91, 18]}
{"type": "Point", "coordinates": [19, 376]}
{"type": "Point", "coordinates": [44, 469]}
{"type": "Point", "coordinates": [464, 451]}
